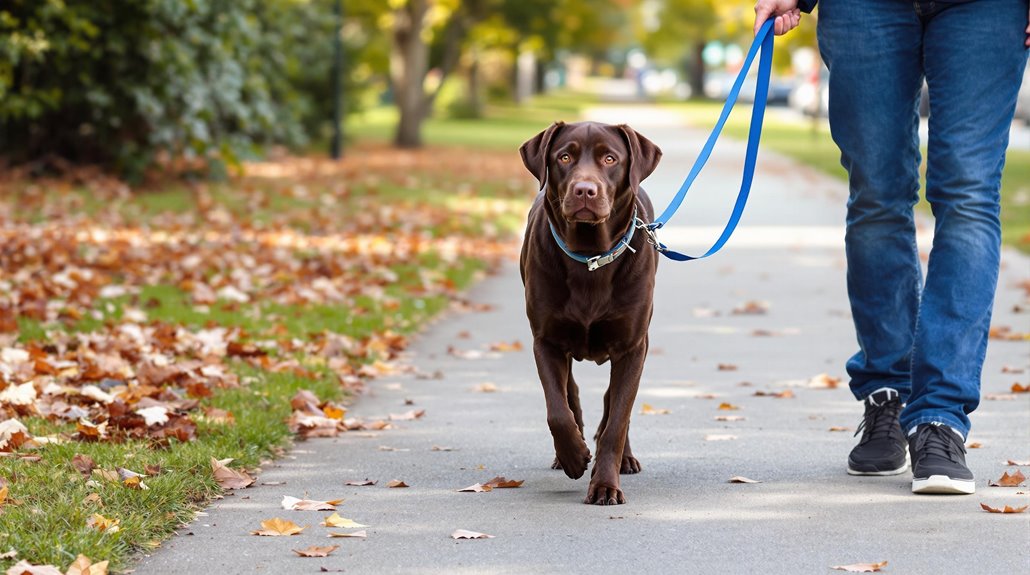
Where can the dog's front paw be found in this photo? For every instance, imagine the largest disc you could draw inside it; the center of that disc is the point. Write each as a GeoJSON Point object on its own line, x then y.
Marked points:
{"type": "Point", "coordinates": [599, 494]}
{"type": "Point", "coordinates": [572, 457]}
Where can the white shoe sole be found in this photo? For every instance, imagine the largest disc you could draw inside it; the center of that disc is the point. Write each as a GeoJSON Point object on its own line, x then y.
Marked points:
{"type": "Point", "coordinates": [898, 471]}
{"type": "Point", "coordinates": [943, 484]}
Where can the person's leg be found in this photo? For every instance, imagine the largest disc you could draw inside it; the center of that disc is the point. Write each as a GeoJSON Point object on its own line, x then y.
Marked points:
{"type": "Point", "coordinates": [873, 50]}
{"type": "Point", "coordinates": [974, 58]}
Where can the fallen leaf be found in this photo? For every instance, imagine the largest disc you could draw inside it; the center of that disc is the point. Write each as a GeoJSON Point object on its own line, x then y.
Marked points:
{"type": "Point", "coordinates": [485, 388]}
{"type": "Point", "coordinates": [131, 479]}
{"type": "Point", "coordinates": [229, 478]}
{"type": "Point", "coordinates": [728, 406]}
{"type": "Point", "coordinates": [823, 381]}
{"type": "Point", "coordinates": [1006, 480]}
{"type": "Point", "coordinates": [361, 483]}
{"type": "Point", "coordinates": [3, 494]}
{"type": "Point", "coordinates": [23, 567]}
{"type": "Point", "coordinates": [785, 394]}
{"type": "Point", "coordinates": [1017, 463]}
{"type": "Point", "coordinates": [359, 534]}
{"type": "Point", "coordinates": [740, 479]}
{"type": "Point", "coordinates": [13, 434]}
{"type": "Point", "coordinates": [103, 524]}
{"type": "Point", "coordinates": [727, 367]}
{"type": "Point", "coordinates": [408, 415]}
{"type": "Point", "coordinates": [505, 346]}
{"type": "Point", "coordinates": [1000, 396]}
{"type": "Point", "coordinates": [464, 534]}
{"type": "Point", "coordinates": [974, 445]}
{"type": "Point", "coordinates": [502, 483]}
{"type": "Point", "coordinates": [388, 448]}
{"type": "Point", "coordinates": [718, 437]}
{"type": "Point", "coordinates": [1005, 333]}
{"type": "Point", "coordinates": [751, 308]}
{"type": "Point", "coordinates": [730, 418]}
{"type": "Point", "coordinates": [85, 566]}
{"type": "Point", "coordinates": [1017, 388]}
{"type": "Point", "coordinates": [440, 448]}
{"type": "Point", "coordinates": [11, 554]}
{"type": "Point", "coordinates": [277, 527]}
{"type": "Point", "coordinates": [861, 567]}
{"type": "Point", "coordinates": [335, 520]}
{"type": "Point", "coordinates": [294, 504]}
{"type": "Point", "coordinates": [648, 409]}
{"type": "Point", "coordinates": [396, 483]}
{"type": "Point", "coordinates": [1005, 509]}
{"type": "Point", "coordinates": [316, 551]}
{"type": "Point", "coordinates": [1011, 369]}
{"type": "Point", "coordinates": [840, 428]}
{"type": "Point", "coordinates": [83, 464]}
{"type": "Point", "coordinates": [476, 488]}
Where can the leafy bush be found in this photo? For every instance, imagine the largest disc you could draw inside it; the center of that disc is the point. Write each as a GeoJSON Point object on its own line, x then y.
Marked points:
{"type": "Point", "coordinates": [131, 83]}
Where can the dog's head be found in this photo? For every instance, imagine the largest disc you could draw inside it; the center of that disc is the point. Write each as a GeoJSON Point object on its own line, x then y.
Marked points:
{"type": "Point", "coordinates": [588, 167]}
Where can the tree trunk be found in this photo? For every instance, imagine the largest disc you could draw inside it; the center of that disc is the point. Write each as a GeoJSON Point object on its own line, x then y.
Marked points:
{"type": "Point", "coordinates": [409, 62]}
{"type": "Point", "coordinates": [475, 90]}
{"type": "Point", "coordinates": [697, 71]}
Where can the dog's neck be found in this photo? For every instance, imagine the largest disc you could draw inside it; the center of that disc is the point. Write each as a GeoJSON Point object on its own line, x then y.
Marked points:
{"type": "Point", "coordinates": [592, 239]}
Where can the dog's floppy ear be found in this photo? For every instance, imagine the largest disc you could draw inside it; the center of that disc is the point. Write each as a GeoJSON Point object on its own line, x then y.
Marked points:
{"type": "Point", "coordinates": [643, 153]}
{"type": "Point", "coordinates": [534, 152]}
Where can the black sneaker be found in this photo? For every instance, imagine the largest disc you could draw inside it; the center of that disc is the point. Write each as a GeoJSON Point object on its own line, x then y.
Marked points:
{"type": "Point", "coordinates": [882, 449]}
{"type": "Point", "coordinates": [939, 461]}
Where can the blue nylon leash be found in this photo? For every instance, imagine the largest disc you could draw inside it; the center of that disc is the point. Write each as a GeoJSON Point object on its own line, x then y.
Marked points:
{"type": "Point", "coordinates": [763, 40]}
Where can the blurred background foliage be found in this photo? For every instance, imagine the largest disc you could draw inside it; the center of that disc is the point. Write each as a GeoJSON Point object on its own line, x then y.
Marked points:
{"type": "Point", "coordinates": [196, 86]}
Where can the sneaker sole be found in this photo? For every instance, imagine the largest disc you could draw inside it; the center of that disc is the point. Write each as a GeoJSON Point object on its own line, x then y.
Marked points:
{"type": "Point", "coordinates": [898, 471]}
{"type": "Point", "coordinates": [942, 484]}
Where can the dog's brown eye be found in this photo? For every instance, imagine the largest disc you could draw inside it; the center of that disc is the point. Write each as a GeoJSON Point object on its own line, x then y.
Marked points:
{"type": "Point", "coordinates": [609, 159]}
{"type": "Point", "coordinates": [564, 158]}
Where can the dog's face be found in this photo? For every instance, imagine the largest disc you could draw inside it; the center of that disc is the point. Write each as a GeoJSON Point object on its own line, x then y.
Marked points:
{"type": "Point", "coordinates": [587, 166]}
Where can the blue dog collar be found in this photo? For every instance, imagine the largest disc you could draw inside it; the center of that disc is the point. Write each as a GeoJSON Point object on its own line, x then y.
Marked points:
{"type": "Point", "coordinates": [599, 261]}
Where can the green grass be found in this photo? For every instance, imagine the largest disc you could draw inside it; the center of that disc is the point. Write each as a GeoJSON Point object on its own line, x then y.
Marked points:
{"type": "Point", "coordinates": [810, 143]}
{"type": "Point", "coordinates": [505, 126]}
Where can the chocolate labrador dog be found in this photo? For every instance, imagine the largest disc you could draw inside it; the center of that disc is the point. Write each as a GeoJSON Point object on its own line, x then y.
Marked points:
{"type": "Point", "coordinates": [589, 276]}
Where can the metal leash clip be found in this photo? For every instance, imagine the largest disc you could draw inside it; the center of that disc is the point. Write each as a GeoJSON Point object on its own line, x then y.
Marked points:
{"type": "Point", "coordinates": [651, 234]}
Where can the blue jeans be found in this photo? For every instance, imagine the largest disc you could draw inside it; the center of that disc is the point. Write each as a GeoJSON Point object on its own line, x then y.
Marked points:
{"type": "Point", "coordinates": [926, 341]}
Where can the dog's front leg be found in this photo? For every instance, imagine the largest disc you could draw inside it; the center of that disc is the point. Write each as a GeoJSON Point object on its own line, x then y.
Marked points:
{"type": "Point", "coordinates": [622, 392]}
{"type": "Point", "coordinates": [569, 447]}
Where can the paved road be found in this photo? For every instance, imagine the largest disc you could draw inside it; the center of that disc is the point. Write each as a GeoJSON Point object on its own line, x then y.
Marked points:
{"type": "Point", "coordinates": [682, 516]}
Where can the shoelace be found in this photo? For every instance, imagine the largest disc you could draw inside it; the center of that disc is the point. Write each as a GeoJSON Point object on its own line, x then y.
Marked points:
{"type": "Point", "coordinates": [939, 442]}
{"type": "Point", "coordinates": [879, 422]}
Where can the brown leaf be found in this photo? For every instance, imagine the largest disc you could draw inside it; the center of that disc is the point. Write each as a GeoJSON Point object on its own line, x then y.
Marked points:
{"type": "Point", "coordinates": [1005, 509]}
{"type": "Point", "coordinates": [823, 381]}
{"type": "Point", "coordinates": [359, 534]}
{"type": "Point", "coordinates": [305, 401]}
{"type": "Point", "coordinates": [408, 415]}
{"type": "Point", "coordinates": [440, 448]}
{"type": "Point", "coordinates": [1006, 480]}
{"type": "Point", "coordinates": [316, 551]}
{"type": "Point", "coordinates": [741, 479]}
{"type": "Point", "coordinates": [839, 428]}
{"type": "Point", "coordinates": [1018, 388]}
{"type": "Point", "coordinates": [727, 367]}
{"type": "Point", "coordinates": [229, 478]}
{"type": "Point", "coordinates": [277, 527]}
{"type": "Point", "coordinates": [1016, 463]}
{"type": "Point", "coordinates": [83, 464]}
{"type": "Point", "coordinates": [751, 308]}
{"type": "Point", "coordinates": [294, 504]}
{"type": "Point", "coordinates": [502, 483]}
{"type": "Point", "coordinates": [861, 567]}
{"type": "Point", "coordinates": [13, 434]}
{"type": "Point", "coordinates": [785, 394]}
{"type": "Point", "coordinates": [476, 488]}
{"type": "Point", "coordinates": [464, 534]}
{"type": "Point", "coordinates": [648, 409]}
{"type": "Point", "coordinates": [396, 483]}
{"type": "Point", "coordinates": [974, 445]}
{"type": "Point", "coordinates": [505, 346]}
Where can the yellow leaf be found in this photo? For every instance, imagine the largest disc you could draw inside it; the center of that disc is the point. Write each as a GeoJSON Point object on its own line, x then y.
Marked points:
{"type": "Point", "coordinates": [103, 524]}
{"type": "Point", "coordinates": [316, 551]}
{"type": "Point", "coordinates": [277, 527]}
{"type": "Point", "coordinates": [85, 566]}
{"type": "Point", "coordinates": [335, 520]}
{"type": "Point", "coordinates": [359, 534]}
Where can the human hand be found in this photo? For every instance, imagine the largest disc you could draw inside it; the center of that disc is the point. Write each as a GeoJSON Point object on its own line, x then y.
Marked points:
{"type": "Point", "coordinates": [787, 14]}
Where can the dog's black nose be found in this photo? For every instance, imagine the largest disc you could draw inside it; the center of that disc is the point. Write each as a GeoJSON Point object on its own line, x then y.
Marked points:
{"type": "Point", "coordinates": [588, 188]}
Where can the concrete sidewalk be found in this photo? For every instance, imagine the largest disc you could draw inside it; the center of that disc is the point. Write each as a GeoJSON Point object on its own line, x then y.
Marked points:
{"type": "Point", "coordinates": [682, 516]}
